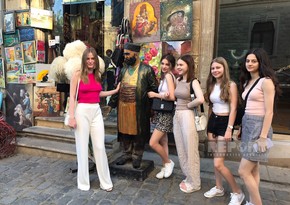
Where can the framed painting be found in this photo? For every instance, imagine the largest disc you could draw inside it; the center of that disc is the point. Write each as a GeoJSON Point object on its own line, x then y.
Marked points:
{"type": "Point", "coordinates": [9, 22]}
{"type": "Point", "coordinates": [28, 52]}
{"type": "Point", "coordinates": [150, 54]}
{"type": "Point", "coordinates": [40, 56]}
{"type": "Point", "coordinates": [22, 18]}
{"type": "Point", "coordinates": [11, 39]}
{"type": "Point", "coordinates": [1, 51]}
{"type": "Point", "coordinates": [19, 102]}
{"type": "Point", "coordinates": [145, 21]}
{"type": "Point", "coordinates": [26, 34]}
{"type": "Point", "coordinates": [18, 52]}
{"type": "Point", "coordinates": [176, 20]}
{"type": "Point", "coordinates": [2, 73]}
{"type": "Point", "coordinates": [1, 37]}
{"type": "Point", "coordinates": [46, 101]}
{"type": "Point", "coordinates": [29, 68]}
{"type": "Point", "coordinates": [10, 54]}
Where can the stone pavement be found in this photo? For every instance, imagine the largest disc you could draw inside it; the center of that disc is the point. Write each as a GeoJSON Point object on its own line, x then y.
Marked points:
{"type": "Point", "coordinates": [31, 180]}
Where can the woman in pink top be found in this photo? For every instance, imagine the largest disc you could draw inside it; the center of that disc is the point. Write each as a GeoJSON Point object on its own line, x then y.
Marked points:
{"type": "Point", "coordinates": [87, 120]}
{"type": "Point", "coordinates": [256, 123]}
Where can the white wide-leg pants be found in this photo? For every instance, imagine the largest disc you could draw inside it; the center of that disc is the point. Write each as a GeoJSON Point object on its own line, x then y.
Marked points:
{"type": "Point", "coordinates": [90, 123]}
{"type": "Point", "coordinates": [186, 141]}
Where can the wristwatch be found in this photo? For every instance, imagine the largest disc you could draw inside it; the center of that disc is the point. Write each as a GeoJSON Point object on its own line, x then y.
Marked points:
{"type": "Point", "coordinates": [231, 127]}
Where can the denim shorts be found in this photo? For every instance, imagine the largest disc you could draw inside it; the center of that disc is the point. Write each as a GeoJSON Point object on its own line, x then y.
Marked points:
{"type": "Point", "coordinates": [217, 125]}
{"type": "Point", "coordinates": [251, 129]}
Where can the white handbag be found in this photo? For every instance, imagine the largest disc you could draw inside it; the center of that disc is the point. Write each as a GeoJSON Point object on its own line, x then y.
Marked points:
{"type": "Point", "coordinates": [66, 118]}
{"type": "Point", "coordinates": [200, 122]}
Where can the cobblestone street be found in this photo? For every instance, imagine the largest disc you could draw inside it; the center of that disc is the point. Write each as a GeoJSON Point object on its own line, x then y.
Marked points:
{"type": "Point", "coordinates": [30, 180]}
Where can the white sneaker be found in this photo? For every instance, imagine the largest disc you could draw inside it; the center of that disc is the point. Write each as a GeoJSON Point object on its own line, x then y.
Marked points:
{"type": "Point", "coordinates": [214, 192]}
{"type": "Point", "coordinates": [160, 175]}
{"type": "Point", "coordinates": [168, 169]}
{"type": "Point", "coordinates": [248, 203]}
{"type": "Point", "coordinates": [237, 199]}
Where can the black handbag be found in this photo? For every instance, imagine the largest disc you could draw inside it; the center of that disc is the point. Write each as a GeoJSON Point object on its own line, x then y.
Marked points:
{"type": "Point", "coordinates": [162, 105]}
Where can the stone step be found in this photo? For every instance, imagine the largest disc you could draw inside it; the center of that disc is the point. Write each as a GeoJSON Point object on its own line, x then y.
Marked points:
{"type": "Point", "coordinates": [55, 142]}
{"type": "Point", "coordinates": [57, 122]}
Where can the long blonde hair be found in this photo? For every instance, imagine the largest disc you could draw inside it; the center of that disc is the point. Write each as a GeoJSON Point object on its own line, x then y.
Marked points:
{"type": "Point", "coordinates": [85, 70]}
{"type": "Point", "coordinates": [225, 82]}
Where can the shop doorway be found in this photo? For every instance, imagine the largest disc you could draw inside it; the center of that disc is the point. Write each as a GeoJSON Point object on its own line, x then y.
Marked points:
{"type": "Point", "coordinates": [84, 21]}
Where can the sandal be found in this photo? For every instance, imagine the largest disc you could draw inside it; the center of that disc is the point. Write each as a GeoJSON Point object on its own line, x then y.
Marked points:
{"type": "Point", "coordinates": [183, 187]}
{"type": "Point", "coordinates": [107, 190]}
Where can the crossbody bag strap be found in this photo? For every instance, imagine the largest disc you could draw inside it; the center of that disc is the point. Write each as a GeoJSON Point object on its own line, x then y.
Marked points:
{"type": "Point", "coordinates": [255, 83]}
{"type": "Point", "coordinates": [192, 92]}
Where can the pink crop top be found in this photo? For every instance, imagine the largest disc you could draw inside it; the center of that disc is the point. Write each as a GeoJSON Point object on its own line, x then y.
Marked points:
{"type": "Point", "coordinates": [90, 92]}
{"type": "Point", "coordinates": [256, 102]}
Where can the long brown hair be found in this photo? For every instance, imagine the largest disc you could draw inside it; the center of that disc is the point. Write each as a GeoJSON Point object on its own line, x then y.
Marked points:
{"type": "Point", "coordinates": [85, 70]}
{"type": "Point", "coordinates": [225, 82]}
{"type": "Point", "coordinates": [188, 59]}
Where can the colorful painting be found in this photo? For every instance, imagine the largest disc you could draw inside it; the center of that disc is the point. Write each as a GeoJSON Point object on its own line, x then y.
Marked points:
{"type": "Point", "coordinates": [41, 18]}
{"type": "Point", "coordinates": [46, 101]}
{"type": "Point", "coordinates": [40, 45]}
{"type": "Point", "coordinates": [19, 99]}
{"type": "Point", "coordinates": [11, 39]}
{"type": "Point", "coordinates": [2, 73]}
{"type": "Point", "coordinates": [18, 52]}
{"type": "Point", "coordinates": [150, 54]}
{"type": "Point", "coordinates": [1, 37]}
{"type": "Point", "coordinates": [9, 22]}
{"type": "Point", "coordinates": [28, 52]}
{"type": "Point", "coordinates": [22, 18]}
{"type": "Point", "coordinates": [176, 48]}
{"type": "Point", "coordinates": [40, 56]}
{"type": "Point", "coordinates": [14, 69]}
{"type": "Point", "coordinates": [10, 54]}
{"type": "Point", "coordinates": [145, 23]}
{"type": "Point", "coordinates": [26, 34]}
{"type": "Point", "coordinates": [176, 20]}
{"type": "Point", "coordinates": [29, 68]}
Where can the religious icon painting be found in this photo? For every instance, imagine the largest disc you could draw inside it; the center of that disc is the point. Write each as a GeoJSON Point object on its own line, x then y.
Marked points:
{"type": "Point", "coordinates": [22, 18]}
{"type": "Point", "coordinates": [145, 21]}
{"type": "Point", "coordinates": [176, 48]}
{"type": "Point", "coordinates": [176, 20]}
{"type": "Point", "coordinates": [18, 52]}
{"type": "Point", "coordinates": [150, 54]}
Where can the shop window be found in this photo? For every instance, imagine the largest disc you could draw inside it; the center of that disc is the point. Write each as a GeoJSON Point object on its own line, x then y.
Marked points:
{"type": "Point", "coordinates": [263, 36]}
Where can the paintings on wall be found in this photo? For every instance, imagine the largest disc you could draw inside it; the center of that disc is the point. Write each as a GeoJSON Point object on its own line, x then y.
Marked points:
{"type": "Point", "coordinates": [19, 98]}
{"type": "Point", "coordinates": [11, 39]}
{"type": "Point", "coordinates": [176, 20]}
{"type": "Point", "coordinates": [46, 101]}
{"type": "Point", "coordinates": [145, 23]}
{"type": "Point", "coordinates": [176, 48]}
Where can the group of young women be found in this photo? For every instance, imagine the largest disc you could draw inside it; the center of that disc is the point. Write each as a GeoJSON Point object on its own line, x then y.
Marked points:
{"type": "Point", "coordinates": [222, 97]}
